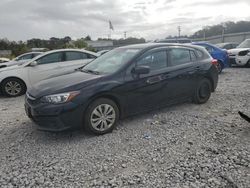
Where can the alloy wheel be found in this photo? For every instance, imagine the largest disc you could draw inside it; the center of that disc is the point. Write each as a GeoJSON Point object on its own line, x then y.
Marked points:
{"type": "Point", "coordinates": [103, 117]}
{"type": "Point", "coordinates": [13, 88]}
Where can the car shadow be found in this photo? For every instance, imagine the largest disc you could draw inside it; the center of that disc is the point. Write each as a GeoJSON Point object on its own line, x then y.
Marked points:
{"type": "Point", "coordinates": [28, 132]}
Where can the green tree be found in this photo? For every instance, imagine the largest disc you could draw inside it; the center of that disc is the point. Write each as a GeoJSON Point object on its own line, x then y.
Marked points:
{"type": "Point", "coordinates": [80, 43]}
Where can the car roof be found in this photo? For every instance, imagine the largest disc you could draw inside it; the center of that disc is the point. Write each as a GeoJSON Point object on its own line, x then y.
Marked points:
{"type": "Point", "coordinates": [61, 50]}
{"type": "Point", "coordinates": [224, 43]}
{"type": "Point", "coordinates": [30, 53]}
{"type": "Point", "coordinates": [68, 49]}
{"type": "Point", "coordinates": [156, 45]}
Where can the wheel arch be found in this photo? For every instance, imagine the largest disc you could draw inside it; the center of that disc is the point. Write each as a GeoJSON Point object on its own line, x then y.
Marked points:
{"type": "Point", "coordinates": [110, 97]}
{"type": "Point", "coordinates": [221, 62]}
{"type": "Point", "coordinates": [13, 77]}
{"type": "Point", "coordinates": [212, 83]}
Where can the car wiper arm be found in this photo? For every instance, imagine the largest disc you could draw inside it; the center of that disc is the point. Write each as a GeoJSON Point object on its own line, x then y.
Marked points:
{"type": "Point", "coordinates": [90, 71]}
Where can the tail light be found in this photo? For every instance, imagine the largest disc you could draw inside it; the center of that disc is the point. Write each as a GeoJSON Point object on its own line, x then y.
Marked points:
{"type": "Point", "coordinates": [214, 62]}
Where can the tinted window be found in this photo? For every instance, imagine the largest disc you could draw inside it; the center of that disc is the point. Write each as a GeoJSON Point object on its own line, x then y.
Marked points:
{"type": "Point", "coordinates": [35, 54]}
{"type": "Point", "coordinates": [91, 56]}
{"type": "Point", "coordinates": [228, 46]}
{"type": "Point", "coordinates": [193, 56]}
{"type": "Point", "coordinates": [51, 58]}
{"type": "Point", "coordinates": [155, 60]}
{"type": "Point", "coordinates": [209, 49]}
{"type": "Point", "coordinates": [179, 56]}
{"type": "Point", "coordinates": [71, 56]}
{"type": "Point", "coordinates": [199, 54]}
{"type": "Point", "coordinates": [28, 56]}
{"type": "Point", "coordinates": [234, 45]}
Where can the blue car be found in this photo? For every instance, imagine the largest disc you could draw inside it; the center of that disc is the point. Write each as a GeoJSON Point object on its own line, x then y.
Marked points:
{"type": "Point", "coordinates": [217, 53]}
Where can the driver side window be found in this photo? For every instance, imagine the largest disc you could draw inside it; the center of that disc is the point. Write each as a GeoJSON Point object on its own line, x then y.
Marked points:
{"type": "Point", "coordinates": [51, 58]}
{"type": "Point", "coordinates": [155, 60]}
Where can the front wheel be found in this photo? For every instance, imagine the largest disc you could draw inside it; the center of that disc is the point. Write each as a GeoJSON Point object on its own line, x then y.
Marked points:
{"type": "Point", "coordinates": [13, 87]}
{"type": "Point", "coordinates": [101, 116]}
{"type": "Point", "coordinates": [202, 92]}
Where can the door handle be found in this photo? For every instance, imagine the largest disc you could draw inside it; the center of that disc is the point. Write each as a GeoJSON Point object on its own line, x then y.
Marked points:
{"type": "Point", "coordinates": [198, 68]}
{"type": "Point", "coordinates": [153, 80]}
{"type": "Point", "coordinates": [165, 76]}
{"type": "Point", "coordinates": [195, 70]}
{"type": "Point", "coordinates": [192, 72]}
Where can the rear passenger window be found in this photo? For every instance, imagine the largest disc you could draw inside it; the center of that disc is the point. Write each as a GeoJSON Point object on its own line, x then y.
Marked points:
{"type": "Point", "coordinates": [193, 56]}
{"type": "Point", "coordinates": [179, 56]}
{"type": "Point", "coordinates": [199, 54]}
{"type": "Point", "coordinates": [209, 49]}
{"type": "Point", "coordinates": [71, 56]}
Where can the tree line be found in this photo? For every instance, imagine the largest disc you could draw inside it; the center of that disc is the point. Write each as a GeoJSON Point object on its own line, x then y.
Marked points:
{"type": "Point", "coordinates": [21, 47]}
{"type": "Point", "coordinates": [225, 27]}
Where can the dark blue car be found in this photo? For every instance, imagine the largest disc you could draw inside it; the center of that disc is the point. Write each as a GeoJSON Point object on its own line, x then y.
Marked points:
{"type": "Point", "coordinates": [217, 53]}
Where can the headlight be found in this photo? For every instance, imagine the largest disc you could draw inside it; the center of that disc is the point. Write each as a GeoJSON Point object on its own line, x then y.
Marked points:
{"type": "Point", "coordinates": [60, 98]}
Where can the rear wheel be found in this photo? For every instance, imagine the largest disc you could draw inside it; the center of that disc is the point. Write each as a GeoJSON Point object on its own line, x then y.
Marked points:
{"type": "Point", "coordinates": [13, 87]}
{"type": "Point", "coordinates": [202, 92]}
{"type": "Point", "coordinates": [101, 116]}
{"type": "Point", "coordinates": [220, 66]}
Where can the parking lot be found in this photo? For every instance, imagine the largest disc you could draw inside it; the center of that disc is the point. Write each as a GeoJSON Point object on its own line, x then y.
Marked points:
{"type": "Point", "coordinates": [185, 145]}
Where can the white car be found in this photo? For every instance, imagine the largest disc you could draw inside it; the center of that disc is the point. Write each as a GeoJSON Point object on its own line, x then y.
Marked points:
{"type": "Point", "coordinates": [20, 59]}
{"type": "Point", "coordinates": [4, 60]}
{"type": "Point", "coordinates": [15, 80]}
{"type": "Point", "coordinates": [241, 55]}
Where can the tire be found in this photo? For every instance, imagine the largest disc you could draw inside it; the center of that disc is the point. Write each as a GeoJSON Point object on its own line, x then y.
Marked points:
{"type": "Point", "coordinates": [99, 122]}
{"type": "Point", "coordinates": [13, 87]}
{"type": "Point", "coordinates": [219, 67]}
{"type": "Point", "coordinates": [248, 64]}
{"type": "Point", "coordinates": [202, 92]}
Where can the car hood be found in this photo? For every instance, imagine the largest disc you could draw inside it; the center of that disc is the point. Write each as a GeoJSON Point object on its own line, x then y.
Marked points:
{"type": "Point", "coordinates": [12, 67]}
{"type": "Point", "coordinates": [236, 50]}
{"type": "Point", "coordinates": [64, 83]}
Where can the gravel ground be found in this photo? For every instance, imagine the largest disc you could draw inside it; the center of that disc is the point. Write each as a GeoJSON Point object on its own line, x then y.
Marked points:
{"type": "Point", "coordinates": [185, 145]}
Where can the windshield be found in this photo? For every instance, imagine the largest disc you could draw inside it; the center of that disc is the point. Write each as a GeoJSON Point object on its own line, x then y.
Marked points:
{"type": "Point", "coordinates": [111, 61]}
{"type": "Point", "coordinates": [244, 44]}
{"type": "Point", "coordinates": [220, 45]}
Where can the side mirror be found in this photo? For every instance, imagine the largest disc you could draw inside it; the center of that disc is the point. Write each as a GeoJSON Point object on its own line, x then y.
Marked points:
{"type": "Point", "coordinates": [141, 70]}
{"type": "Point", "coordinates": [33, 64]}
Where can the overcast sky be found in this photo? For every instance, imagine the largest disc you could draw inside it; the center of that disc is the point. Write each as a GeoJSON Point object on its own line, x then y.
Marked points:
{"type": "Point", "coordinates": [151, 19]}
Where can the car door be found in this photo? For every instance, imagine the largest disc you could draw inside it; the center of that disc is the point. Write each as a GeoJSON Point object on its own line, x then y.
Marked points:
{"type": "Point", "coordinates": [182, 74]}
{"type": "Point", "coordinates": [74, 59]}
{"type": "Point", "coordinates": [144, 92]}
{"type": "Point", "coordinates": [47, 67]}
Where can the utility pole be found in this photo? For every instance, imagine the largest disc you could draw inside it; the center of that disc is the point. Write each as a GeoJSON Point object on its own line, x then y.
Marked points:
{"type": "Point", "coordinates": [179, 31]}
{"type": "Point", "coordinates": [204, 33]}
{"type": "Point", "coordinates": [223, 32]}
{"type": "Point", "coordinates": [125, 34]}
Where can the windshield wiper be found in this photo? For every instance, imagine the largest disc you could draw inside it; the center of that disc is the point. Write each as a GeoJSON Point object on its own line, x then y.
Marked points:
{"type": "Point", "coordinates": [90, 71]}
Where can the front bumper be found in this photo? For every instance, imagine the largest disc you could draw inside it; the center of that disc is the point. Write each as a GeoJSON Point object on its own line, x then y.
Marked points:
{"type": "Point", "coordinates": [242, 60]}
{"type": "Point", "coordinates": [232, 60]}
{"type": "Point", "coordinates": [50, 117]}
